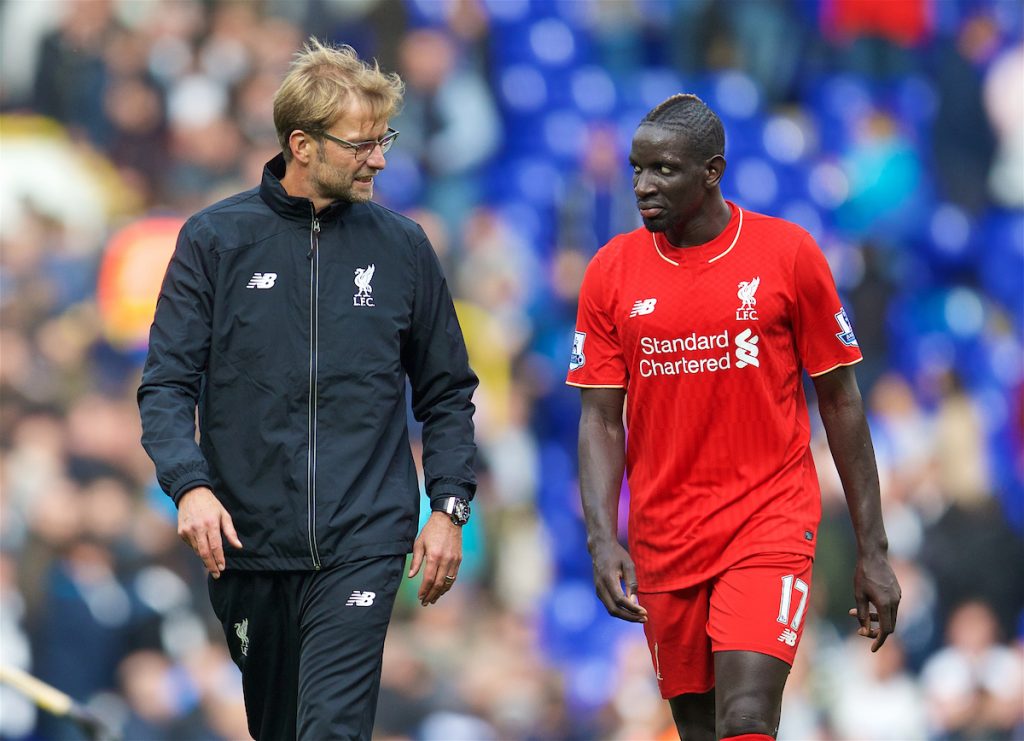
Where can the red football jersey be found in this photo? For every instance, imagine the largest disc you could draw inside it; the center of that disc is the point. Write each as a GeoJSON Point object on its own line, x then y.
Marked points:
{"type": "Point", "coordinates": [709, 342]}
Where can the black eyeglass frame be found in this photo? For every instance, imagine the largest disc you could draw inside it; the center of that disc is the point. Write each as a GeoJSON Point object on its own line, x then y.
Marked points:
{"type": "Point", "coordinates": [384, 143]}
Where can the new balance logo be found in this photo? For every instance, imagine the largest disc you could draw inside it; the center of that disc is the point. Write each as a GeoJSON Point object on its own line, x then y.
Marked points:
{"type": "Point", "coordinates": [788, 636]}
{"type": "Point", "coordinates": [361, 599]}
{"type": "Point", "coordinates": [643, 306]}
{"type": "Point", "coordinates": [747, 350]}
{"type": "Point", "coordinates": [262, 280]}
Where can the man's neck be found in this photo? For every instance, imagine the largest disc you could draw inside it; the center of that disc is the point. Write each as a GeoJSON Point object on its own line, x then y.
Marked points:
{"type": "Point", "coordinates": [297, 184]}
{"type": "Point", "coordinates": [704, 226]}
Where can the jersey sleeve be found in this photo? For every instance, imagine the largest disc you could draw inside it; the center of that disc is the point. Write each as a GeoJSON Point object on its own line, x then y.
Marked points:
{"type": "Point", "coordinates": [596, 360]}
{"type": "Point", "coordinates": [824, 335]}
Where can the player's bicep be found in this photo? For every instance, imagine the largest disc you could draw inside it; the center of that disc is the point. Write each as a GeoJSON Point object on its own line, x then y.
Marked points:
{"type": "Point", "coordinates": [603, 405]}
{"type": "Point", "coordinates": [836, 387]}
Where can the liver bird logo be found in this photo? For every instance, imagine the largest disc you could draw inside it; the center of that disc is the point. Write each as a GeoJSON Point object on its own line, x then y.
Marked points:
{"type": "Point", "coordinates": [746, 292]}
{"type": "Point", "coordinates": [362, 280]}
{"type": "Point", "coordinates": [242, 631]}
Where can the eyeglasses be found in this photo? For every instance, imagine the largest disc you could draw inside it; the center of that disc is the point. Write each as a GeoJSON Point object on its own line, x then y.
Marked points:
{"type": "Point", "coordinates": [362, 150]}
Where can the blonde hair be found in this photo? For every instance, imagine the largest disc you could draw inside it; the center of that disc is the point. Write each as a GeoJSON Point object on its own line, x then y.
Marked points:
{"type": "Point", "coordinates": [322, 81]}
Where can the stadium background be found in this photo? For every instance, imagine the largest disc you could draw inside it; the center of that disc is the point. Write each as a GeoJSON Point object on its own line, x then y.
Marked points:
{"type": "Point", "coordinates": [893, 130]}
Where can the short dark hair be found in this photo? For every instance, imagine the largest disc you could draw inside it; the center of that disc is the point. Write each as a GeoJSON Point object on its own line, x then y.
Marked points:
{"type": "Point", "coordinates": [689, 114]}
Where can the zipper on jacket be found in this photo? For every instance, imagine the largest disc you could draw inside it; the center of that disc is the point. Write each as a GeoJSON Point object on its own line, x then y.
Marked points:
{"type": "Point", "coordinates": [314, 321]}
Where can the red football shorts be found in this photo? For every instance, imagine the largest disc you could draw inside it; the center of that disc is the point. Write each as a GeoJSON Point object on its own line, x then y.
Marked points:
{"type": "Point", "coordinates": [759, 604]}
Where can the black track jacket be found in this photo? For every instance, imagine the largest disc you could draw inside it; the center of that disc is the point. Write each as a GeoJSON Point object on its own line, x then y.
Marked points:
{"type": "Point", "coordinates": [294, 332]}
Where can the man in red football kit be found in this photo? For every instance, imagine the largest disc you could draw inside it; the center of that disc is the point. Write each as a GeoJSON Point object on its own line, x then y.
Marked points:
{"type": "Point", "coordinates": [705, 320]}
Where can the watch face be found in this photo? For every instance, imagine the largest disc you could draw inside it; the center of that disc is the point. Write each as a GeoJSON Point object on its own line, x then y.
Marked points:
{"type": "Point", "coordinates": [460, 512]}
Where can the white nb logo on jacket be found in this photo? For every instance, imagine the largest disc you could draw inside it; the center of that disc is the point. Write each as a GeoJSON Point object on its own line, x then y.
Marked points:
{"type": "Point", "coordinates": [361, 599]}
{"type": "Point", "coordinates": [262, 280]}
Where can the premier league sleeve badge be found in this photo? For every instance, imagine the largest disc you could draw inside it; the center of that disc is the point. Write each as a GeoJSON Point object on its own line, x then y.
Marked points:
{"type": "Point", "coordinates": [577, 358]}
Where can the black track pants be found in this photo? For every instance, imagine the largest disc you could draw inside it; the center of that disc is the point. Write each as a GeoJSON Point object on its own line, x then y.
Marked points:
{"type": "Point", "coordinates": [309, 645]}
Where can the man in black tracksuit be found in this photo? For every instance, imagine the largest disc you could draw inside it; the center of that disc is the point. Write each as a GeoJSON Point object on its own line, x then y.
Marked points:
{"type": "Point", "coordinates": [291, 316]}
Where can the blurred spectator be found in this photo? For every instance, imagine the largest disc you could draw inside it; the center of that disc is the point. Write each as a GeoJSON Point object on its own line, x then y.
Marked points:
{"type": "Point", "coordinates": [449, 118]}
{"type": "Point", "coordinates": [963, 143]}
{"type": "Point", "coordinates": [71, 73]}
{"type": "Point", "coordinates": [877, 34]}
{"type": "Point", "coordinates": [498, 272]}
{"type": "Point", "coordinates": [771, 42]}
{"type": "Point", "coordinates": [884, 174]}
{"type": "Point", "coordinates": [902, 436]}
{"type": "Point", "coordinates": [137, 132]}
{"type": "Point", "coordinates": [975, 685]}
{"type": "Point", "coordinates": [959, 445]}
{"type": "Point", "coordinates": [879, 697]}
{"type": "Point", "coordinates": [869, 300]}
{"type": "Point", "coordinates": [375, 28]}
{"type": "Point", "coordinates": [154, 697]}
{"type": "Point", "coordinates": [1004, 103]}
{"type": "Point", "coordinates": [598, 202]}
{"type": "Point", "coordinates": [920, 626]}
{"type": "Point", "coordinates": [17, 713]}
{"type": "Point", "coordinates": [972, 533]}
{"type": "Point", "coordinates": [83, 627]}
{"type": "Point", "coordinates": [700, 28]}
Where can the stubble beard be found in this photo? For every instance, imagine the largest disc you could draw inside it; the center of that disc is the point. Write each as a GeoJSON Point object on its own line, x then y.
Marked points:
{"type": "Point", "coordinates": [334, 187]}
{"type": "Point", "coordinates": [655, 225]}
{"type": "Point", "coordinates": [335, 190]}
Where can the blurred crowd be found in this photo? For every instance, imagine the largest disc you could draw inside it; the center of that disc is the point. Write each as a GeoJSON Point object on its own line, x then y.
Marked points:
{"type": "Point", "coordinates": [893, 130]}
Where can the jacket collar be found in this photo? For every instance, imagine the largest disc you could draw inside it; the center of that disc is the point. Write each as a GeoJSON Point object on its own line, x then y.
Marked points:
{"type": "Point", "coordinates": [290, 207]}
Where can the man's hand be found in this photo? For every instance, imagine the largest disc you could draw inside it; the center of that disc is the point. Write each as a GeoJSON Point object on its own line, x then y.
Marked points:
{"type": "Point", "coordinates": [201, 519]}
{"type": "Point", "coordinates": [613, 567]}
{"type": "Point", "coordinates": [438, 549]}
{"type": "Point", "coordinates": [877, 594]}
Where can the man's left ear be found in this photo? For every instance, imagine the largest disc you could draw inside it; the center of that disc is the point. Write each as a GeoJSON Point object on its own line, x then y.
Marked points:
{"type": "Point", "coordinates": [714, 169]}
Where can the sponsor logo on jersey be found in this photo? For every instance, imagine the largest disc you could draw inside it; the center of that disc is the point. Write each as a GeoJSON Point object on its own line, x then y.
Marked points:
{"type": "Point", "coordinates": [746, 349]}
{"type": "Point", "coordinates": [788, 636]}
{"type": "Point", "coordinates": [577, 358]}
{"type": "Point", "coordinates": [643, 306]}
{"type": "Point", "coordinates": [360, 599]}
{"type": "Point", "coordinates": [682, 352]}
{"type": "Point", "coordinates": [846, 336]}
{"type": "Point", "coordinates": [262, 280]}
{"type": "Point", "coordinates": [746, 291]}
{"type": "Point", "coordinates": [364, 291]}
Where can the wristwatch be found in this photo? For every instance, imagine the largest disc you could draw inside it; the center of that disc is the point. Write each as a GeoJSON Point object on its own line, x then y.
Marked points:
{"type": "Point", "coordinates": [456, 508]}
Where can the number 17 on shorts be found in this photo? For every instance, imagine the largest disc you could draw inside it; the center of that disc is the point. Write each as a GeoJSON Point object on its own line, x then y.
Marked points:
{"type": "Point", "coordinates": [790, 619]}
{"type": "Point", "coordinates": [760, 604]}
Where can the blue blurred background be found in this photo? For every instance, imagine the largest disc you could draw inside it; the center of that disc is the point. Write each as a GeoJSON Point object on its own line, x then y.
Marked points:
{"type": "Point", "coordinates": [892, 130]}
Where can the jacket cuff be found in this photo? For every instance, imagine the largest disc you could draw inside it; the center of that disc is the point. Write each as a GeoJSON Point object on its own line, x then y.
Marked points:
{"type": "Point", "coordinates": [443, 491]}
{"type": "Point", "coordinates": [187, 483]}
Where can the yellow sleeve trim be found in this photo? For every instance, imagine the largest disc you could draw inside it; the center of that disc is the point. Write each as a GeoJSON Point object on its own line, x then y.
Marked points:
{"type": "Point", "coordinates": [837, 365]}
{"type": "Point", "coordinates": [594, 385]}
